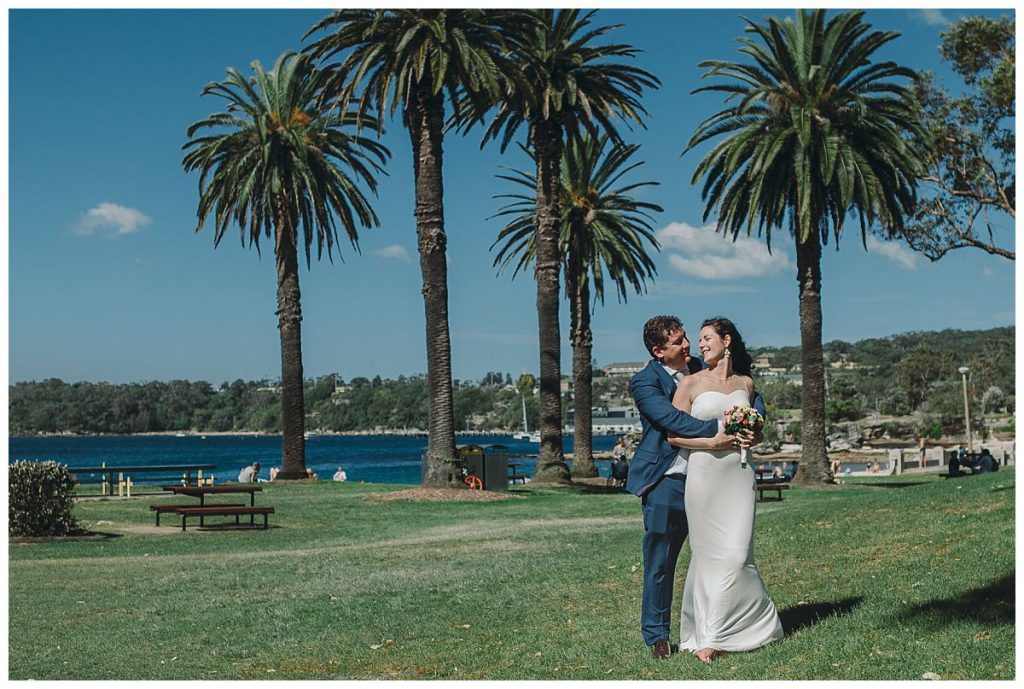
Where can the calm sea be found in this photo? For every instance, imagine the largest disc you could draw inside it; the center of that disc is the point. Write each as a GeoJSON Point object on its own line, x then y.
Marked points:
{"type": "Point", "coordinates": [373, 458]}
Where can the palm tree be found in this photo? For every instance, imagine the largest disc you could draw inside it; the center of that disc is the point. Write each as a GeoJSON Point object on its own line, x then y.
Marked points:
{"type": "Point", "coordinates": [275, 160]}
{"type": "Point", "coordinates": [563, 83]}
{"type": "Point", "coordinates": [818, 130]}
{"type": "Point", "coordinates": [409, 59]}
{"type": "Point", "coordinates": [603, 233]}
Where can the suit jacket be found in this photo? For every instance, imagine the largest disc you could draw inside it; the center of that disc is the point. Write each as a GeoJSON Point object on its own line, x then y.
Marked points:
{"type": "Point", "coordinates": [652, 390]}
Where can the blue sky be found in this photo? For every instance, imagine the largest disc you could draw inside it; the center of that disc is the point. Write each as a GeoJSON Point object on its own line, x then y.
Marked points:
{"type": "Point", "coordinates": [109, 281]}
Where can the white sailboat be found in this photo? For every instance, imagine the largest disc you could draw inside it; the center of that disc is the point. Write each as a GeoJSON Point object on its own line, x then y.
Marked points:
{"type": "Point", "coordinates": [525, 433]}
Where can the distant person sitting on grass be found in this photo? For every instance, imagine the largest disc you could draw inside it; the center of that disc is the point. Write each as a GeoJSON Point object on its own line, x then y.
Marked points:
{"type": "Point", "coordinates": [249, 473]}
{"type": "Point", "coordinates": [340, 474]}
{"type": "Point", "coordinates": [273, 473]}
{"type": "Point", "coordinates": [310, 474]}
{"type": "Point", "coordinates": [789, 470]}
{"type": "Point", "coordinates": [986, 462]}
{"type": "Point", "coordinates": [619, 472]}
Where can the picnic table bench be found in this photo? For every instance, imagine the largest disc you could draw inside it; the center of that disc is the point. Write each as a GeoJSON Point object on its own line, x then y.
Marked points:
{"type": "Point", "coordinates": [203, 510]}
{"type": "Point", "coordinates": [766, 486]}
{"type": "Point", "coordinates": [515, 475]}
{"type": "Point", "coordinates": [224, 510]}
{"type": "Point", "coordinates": [162, 509]}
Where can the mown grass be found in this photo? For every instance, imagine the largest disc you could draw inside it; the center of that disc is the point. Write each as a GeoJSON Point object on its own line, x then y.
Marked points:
{"type": "Point", "coordinates": [878, 579]}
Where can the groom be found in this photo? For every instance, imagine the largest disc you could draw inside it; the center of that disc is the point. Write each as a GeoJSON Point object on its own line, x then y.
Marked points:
{"type": "Point", "coordinates": [657, 476]}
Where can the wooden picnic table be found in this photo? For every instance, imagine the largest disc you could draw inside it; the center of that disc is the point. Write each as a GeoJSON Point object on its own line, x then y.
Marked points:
{"type": "Point", "coordinates": [223, 509]}
{"type": "Point", "coordinates": [514, 475]}
{"type": "Point", "coordinates": [110, 471]}
{"type": "Point", "coordinates": [202, 491]}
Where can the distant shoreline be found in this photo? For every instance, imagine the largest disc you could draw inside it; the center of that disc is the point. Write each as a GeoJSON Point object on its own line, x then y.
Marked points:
{"type": "Point", "coordinates": [200, 434]}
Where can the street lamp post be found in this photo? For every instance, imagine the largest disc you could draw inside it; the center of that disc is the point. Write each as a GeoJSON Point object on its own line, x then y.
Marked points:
{"type": "Point", "coordinates": [967, 410]}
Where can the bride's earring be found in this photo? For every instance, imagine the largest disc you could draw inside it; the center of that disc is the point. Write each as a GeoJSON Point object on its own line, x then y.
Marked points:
{"type": "Point", "coordinates": [728, 354]}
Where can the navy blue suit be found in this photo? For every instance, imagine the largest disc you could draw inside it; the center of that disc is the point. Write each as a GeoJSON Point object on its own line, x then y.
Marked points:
{"type": "Point", "coordinates": [662, 496]}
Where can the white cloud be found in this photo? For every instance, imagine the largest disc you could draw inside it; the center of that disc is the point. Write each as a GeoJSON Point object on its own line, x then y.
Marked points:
{"type": "Point", "coordinates": [933, 17]}
{"type": "Point", "coordinates": [672, 288]}
{"type": "Point", "coordinates": [394, 251]}
{"type": "Point", "coordinates": [893, 251]}
{"type": "Point", "coordinates": [704, 253]}
{"type": "Point", "coordinates": [112, 220]}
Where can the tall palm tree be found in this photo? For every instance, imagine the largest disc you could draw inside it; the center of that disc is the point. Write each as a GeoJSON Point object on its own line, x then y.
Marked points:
{"type": "Point", "coordinates": [410, 59]}
{"type": "Point", "coordinates": [604, 231]}
{"type": "Point", "coordinates": [818, 130]}
{"type": "Point", "coordinates": [275, 160]}
{"type": "Point", "coordinates": [563, 83]}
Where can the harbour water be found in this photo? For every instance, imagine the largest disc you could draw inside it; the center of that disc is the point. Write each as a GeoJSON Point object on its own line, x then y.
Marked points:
{"type": "Point", "coordinates": [370, 458]}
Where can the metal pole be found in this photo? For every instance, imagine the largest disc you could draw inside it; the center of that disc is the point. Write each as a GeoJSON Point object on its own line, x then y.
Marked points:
{"type": "Point", "coordinates": [967, 412]}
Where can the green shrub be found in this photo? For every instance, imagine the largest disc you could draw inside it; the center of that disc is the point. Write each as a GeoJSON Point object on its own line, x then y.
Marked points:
{"type": "Point", "coordinates": [40, 499]}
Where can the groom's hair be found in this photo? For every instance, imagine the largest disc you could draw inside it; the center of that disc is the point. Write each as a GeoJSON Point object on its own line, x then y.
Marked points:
{"type": "Point", "coordinates": [658, 329]}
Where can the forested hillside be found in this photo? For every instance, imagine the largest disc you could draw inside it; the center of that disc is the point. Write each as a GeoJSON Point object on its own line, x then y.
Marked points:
{"type": "Point", "coordinates": [892, 376]}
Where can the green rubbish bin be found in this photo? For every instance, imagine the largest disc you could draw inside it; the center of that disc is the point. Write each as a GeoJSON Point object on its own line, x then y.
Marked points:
{"type": "Point", "coordinates": [472, 457]}
{"type": "Point", "coordinates": [495, 467]}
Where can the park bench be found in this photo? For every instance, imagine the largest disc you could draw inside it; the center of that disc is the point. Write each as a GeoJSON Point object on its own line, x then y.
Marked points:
{"type": "Point", "coordinates": [765, 486]}
{"type": "Point", "coordinates": [161, 509]}
{"type": "Point", "coordinates": [224, 511]}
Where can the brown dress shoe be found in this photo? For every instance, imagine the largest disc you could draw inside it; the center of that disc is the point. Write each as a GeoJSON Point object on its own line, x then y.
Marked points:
{"type": "Point", "coordinates": [661, 650]}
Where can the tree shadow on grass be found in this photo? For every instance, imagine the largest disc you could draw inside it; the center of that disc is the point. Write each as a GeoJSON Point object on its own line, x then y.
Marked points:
{"type": "Point", "coordinates": [74, 535]}
{"type": "Point", "coordinates": [806, 614]}
{"type": "Point", "coordinates": [600, 489]}
{"type": "Point", "coordinates": [894, 484]}
{"type": "Point", "coordinates": [989, 605]}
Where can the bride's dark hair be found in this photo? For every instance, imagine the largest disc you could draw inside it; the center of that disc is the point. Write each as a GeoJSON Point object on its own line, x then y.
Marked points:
{"type": "Point", "coordinates": [741, 360]}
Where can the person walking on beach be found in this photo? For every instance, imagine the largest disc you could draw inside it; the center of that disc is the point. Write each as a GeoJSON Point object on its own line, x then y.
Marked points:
{"type": "Point", "coordinates": [657, 476]}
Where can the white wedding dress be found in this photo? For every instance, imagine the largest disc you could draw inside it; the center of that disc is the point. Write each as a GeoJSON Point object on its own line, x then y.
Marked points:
{"type": "Point", "coordinates": [725, 604]}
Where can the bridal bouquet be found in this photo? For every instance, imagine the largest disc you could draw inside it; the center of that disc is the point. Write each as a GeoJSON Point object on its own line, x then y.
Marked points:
{"type": "Point", "coordinates": [743, 418]}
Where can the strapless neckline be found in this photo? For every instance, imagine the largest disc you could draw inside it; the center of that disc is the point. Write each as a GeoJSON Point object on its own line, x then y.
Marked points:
{"type": "Point", "coordinates": [716, 392]}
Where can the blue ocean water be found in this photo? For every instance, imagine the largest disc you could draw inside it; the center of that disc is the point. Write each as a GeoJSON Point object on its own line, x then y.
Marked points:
{"type": "Point", "coordinates": [370, 458]}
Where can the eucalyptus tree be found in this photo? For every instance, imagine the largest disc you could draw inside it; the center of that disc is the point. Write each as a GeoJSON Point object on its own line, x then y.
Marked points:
{"type": "Point", "coordinates": [605, 232]}
{"type": "Point", "coordinates": [276, 162]}
{"type": "Point", "coordinates": [564, 82]}
{"type": "Point", "coordinates": [817, 130]}
{"type": "Point", "coordinates": [419, 60]}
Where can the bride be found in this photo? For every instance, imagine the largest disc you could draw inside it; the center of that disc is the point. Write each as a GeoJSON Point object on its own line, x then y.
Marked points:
{"type": "Point", "coordinates": [725, 604]}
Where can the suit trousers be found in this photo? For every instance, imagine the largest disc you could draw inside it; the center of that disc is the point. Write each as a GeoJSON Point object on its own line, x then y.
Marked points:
{"type": "Point", "coordinates": [665, 530]}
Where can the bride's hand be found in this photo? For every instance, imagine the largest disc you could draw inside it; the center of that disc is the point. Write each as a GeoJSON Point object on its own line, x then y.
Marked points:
{"type": "Point", "coordinates": [746, 439]}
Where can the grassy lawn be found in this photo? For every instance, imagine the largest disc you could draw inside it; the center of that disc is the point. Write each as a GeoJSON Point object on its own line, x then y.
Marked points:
{"type": "Point", "coordinates": [877, 579]}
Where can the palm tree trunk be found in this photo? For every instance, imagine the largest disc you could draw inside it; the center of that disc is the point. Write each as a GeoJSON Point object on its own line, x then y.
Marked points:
{"type": "Point", "coordinates": [582, 373]}
{"type": "Point", "coordinates": [289, 320]}
{"type": "Point", "coordinates": [814, 469]}
{"type": "Point", "coordinates": [547, 141]}
{"type": "Point", "coordinates": [426, 120]}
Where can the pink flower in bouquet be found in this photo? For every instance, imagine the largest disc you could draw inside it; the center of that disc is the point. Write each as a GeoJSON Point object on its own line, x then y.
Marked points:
{"type": "Point", "coordinates": [743, 418]}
